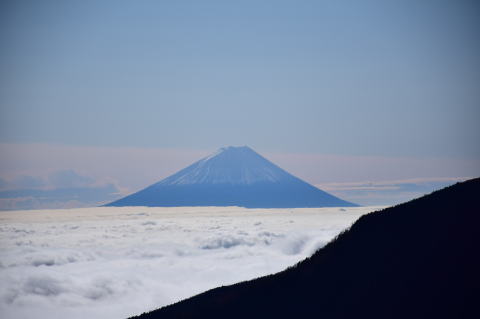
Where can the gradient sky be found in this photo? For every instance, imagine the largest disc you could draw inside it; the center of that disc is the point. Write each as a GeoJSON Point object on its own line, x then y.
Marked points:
{"type": "Point", "coordinates": [350, 78]}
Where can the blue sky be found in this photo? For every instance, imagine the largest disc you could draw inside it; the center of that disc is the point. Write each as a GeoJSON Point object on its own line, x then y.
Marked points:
{"type": "Point", "coordinates": [376, 78]}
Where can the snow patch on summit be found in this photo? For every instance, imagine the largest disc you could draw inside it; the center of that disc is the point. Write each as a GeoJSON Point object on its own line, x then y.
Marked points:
{"type": "Point", "coordinates": [229, 165]}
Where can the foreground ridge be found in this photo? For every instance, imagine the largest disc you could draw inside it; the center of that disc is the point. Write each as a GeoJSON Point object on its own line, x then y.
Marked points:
{"type": "Point", "coordinates": [415, 260]}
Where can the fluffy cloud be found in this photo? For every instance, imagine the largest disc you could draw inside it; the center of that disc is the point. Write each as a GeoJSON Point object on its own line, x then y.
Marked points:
{"type": "Point", "coordinates": [69, 179]}
{"type": "Point", "coordinates": [27, 182]}
{"type": "Point", "coordinates": [60, 189]}
{"type": "Point", "coordinates": [116, 262]}
{"type": "Point", "coordinates": [387, 192]}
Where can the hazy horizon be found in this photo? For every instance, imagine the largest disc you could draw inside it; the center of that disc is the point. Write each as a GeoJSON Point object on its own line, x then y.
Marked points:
{"type": "Point", "coordinates": [374, 101]}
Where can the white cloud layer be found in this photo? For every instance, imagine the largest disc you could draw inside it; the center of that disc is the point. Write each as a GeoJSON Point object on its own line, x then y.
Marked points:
{"type": "Point", "coordinates": [117, 262]}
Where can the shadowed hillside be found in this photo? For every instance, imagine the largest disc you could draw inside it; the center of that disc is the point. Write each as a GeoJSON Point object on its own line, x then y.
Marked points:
{"type": "Point", "coordinates": [419, 259]}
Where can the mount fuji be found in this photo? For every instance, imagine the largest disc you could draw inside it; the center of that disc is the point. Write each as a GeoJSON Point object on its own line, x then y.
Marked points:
{"type": "Point", "coordinates": [232, 176]}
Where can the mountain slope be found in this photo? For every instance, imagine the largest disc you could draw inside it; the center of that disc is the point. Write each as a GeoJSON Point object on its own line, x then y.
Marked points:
{"type": "Point", "coordinates": [233, 176]}
{"type": "Point", "coordinates": [415, 260]}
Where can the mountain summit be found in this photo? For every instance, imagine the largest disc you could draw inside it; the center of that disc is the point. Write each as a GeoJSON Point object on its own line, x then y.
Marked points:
{"type": "Point", "coordinates": [232, 176]}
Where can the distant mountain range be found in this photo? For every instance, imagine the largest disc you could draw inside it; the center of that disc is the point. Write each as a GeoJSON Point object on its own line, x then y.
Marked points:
{"type": "Point", "coordinates": [415, 260]}
{"type": "Point", "coordinates": [233, 176]}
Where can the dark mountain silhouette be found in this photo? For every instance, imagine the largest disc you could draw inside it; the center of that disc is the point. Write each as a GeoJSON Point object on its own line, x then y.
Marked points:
{"type": "Point", "coordinates": [233, 176]}
{"type": "Point", "coordinates": [415, 260]}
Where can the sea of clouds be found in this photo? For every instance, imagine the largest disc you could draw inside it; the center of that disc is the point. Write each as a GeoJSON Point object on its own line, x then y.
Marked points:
{"type": "Point", "coordinates": [111, 262]}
